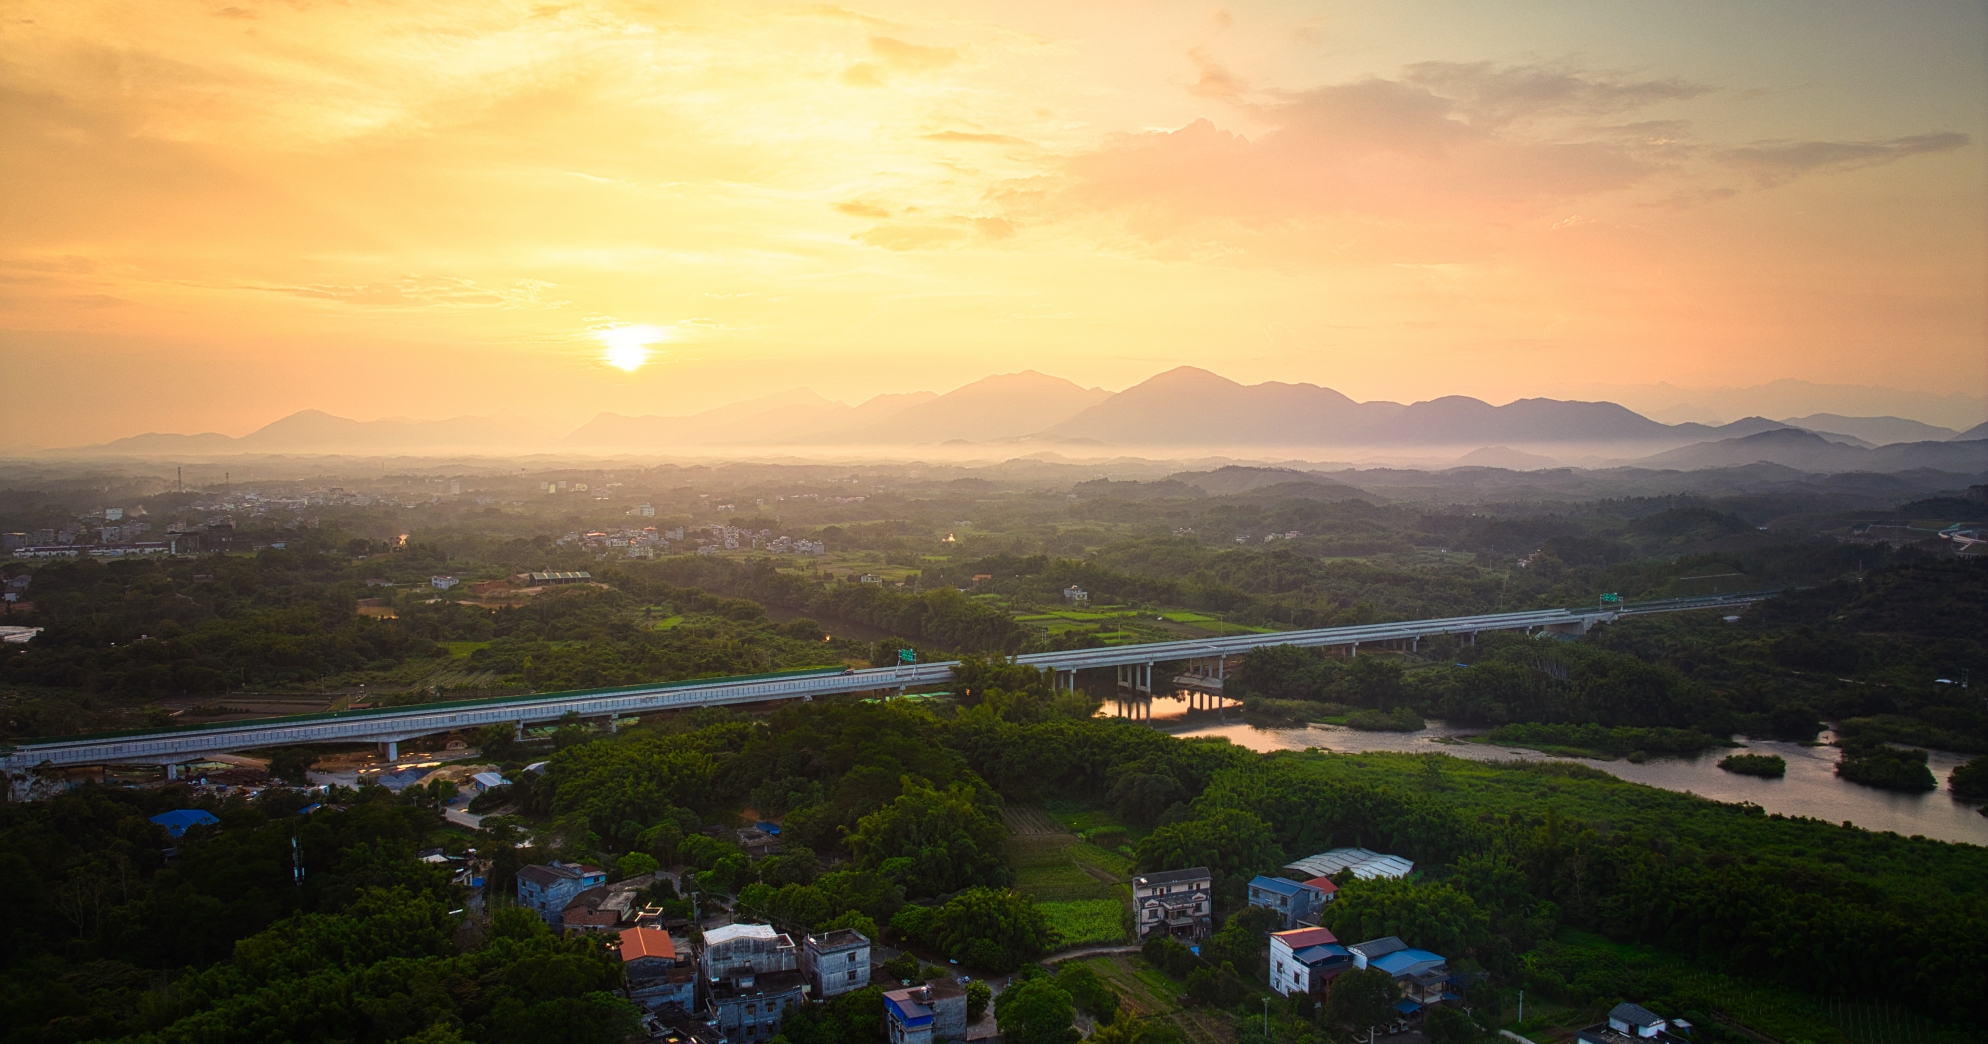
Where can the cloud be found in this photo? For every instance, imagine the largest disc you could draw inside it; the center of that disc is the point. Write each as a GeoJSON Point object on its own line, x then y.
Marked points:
{"type": "Point", "coordinates": [1215, 81]}
{"type": "Point", "coordinates": [1488, 94]}
{"type": "Point", "coordinates": [973, 138]}
{"type": "Point", "coordinates": [1778, 162]}
{"type": "Point", "coordinates": [419, 291]}
{"type": "Point", "coordinates": [912, 58]}
{"type": "Point", "coordinates": [855, 208]}
{"type": "Point", "coordinates": [1396, 150]}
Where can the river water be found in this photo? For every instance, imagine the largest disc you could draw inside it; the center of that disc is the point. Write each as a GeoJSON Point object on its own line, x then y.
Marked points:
{"type": "Point", "coordinates": [1811, 787]}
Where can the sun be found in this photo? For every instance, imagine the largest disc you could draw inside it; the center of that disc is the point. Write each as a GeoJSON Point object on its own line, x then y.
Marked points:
{"type": "Point", "coordinates": [628, 346]}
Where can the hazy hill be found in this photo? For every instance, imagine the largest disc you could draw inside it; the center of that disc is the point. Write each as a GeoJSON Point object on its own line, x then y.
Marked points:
{"type": "Point", "coordinates": [1190, 406]}
{"type": "Point", "coordinates": [1878, 431]}
{"type": "Point", "coordinates": [1979, 431]}
{"type": "Point", "coordinates": [1006, 406]}
{"type": "Point", "coordinates": [1808, 451]}
{"type": "Point", "coordinates": [315, 431]}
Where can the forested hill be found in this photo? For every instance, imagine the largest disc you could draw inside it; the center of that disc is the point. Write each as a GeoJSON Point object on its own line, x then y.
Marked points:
{"type": "Point", "coordinates": [894, 825]}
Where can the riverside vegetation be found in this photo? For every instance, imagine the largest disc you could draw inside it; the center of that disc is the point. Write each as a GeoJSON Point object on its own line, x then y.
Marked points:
{"type": "Point", "coordinates": [893, 812]}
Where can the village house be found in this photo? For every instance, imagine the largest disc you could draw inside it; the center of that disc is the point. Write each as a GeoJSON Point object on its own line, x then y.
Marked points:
{"type": "Point", "coordinates": [658, 970]}
{"type": "Point", "coordinates": [1424, 977]}
{"type": "Point", "coordinates": [547, 888]}
{"type": "Point", "coordinates": [926, 1014]}
{"type": "Point", "coordinates": [1304, 961]}
{"type": "Point", "coordinates": [1174, 902]}
{"type": "Point", "coordinates": [836, 962]}
{"type": "Point", "coordinates": [1296, 903]}
{"type": "Point", "coordinates": [752, 978]}
{"type": "Point", "coordinates": [1634, 1024]}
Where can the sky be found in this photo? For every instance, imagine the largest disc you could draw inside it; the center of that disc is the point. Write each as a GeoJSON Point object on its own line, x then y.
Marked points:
{"type": "Point", "coordinates": [213, 214]}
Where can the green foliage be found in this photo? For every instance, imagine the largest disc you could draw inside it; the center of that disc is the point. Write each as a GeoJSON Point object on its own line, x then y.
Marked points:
{"type": "Point", "coordinates": [1170, 955]}
{"type": "Point", "coordinates": [852, 1018]}
{"type": "Point", "coordinates": [932, 841]}
{"type": "Point", "coordinates": [978, 996]}
{"type": "Point", "coordinates": [1219, 987]}
{"type": "Point", "coordinates": [1361, 998]}
{"type": "Point", "coordinates": [1087, 991]}
{"type": "Point", "coordinates": [1970, 780]}
{"type": "Point", "coordinates": [1086, 922]}
{"type": "Point", "coordinates": [1400, 719]}
{"type": "Point", "coordinates": [1890, 768]}
{"type": "Point", "coordinates": [990, 929]}
{"type": "Point", "coordinates": [1767, 766]}
{"type": "Point", "coordinates": [635, 864]}
{"type": "Point", "coordinates": [1619, 740]}
{"type": "Point", "coordinates": [1241, 940]}
{"type": "Point", "coordinates": [1228, 841]}
{"type": "Point", "coordinates": [1446, 1025]}
{"type": "Point", "coordinates": [292, 764]}
{"type": "Point", "coordinates": [1036, 1011]}
{"type": "Point", "coordinates": [1436, 917]}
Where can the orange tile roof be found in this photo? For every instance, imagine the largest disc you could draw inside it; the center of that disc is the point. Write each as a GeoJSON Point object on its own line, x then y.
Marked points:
{"type": "Point", "coordinates": [646, 942]}
{"type": "Point", "coordinates": [1323, 884]}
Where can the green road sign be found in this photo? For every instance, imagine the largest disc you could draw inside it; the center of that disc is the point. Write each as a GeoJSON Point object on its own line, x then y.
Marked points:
{"type": "Point", "coordinates": [907, 656]}
{"type": "Point", "coordinates": [1611, 596]}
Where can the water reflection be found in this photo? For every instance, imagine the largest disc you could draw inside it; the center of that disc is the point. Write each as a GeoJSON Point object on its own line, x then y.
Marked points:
{"type": "Point", "coordinates": [1810, 789]}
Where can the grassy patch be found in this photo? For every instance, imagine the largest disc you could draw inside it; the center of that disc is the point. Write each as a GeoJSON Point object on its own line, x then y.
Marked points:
{"type": "Point", "coordinates": [1087, 922]}
{"type": "Point", "coordinates": [668, 622]}
{"type": "Point", "coordinates": [461, 650]}
{"type": "Point", "coordinates": [1061, 884]}
{"type": "Point", "coordinates": [1117, 863]}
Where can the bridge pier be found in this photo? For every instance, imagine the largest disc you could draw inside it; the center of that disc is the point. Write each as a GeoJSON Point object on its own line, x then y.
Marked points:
{"type": "Point", "coordinates": [390, 749]}
{"type": "Point", "coordinates": [172, 770]}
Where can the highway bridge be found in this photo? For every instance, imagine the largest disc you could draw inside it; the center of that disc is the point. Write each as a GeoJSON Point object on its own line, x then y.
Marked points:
{"type": "Point", "coordinates": [389, 726]}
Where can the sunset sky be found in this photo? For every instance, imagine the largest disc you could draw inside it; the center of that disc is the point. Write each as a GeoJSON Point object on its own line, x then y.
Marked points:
{"type": "Point", "coordinates": [218, 213]}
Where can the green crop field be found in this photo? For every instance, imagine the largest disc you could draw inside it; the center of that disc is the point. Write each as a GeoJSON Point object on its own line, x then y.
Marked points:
{"type": "Point", "coordinates": [1087, 922]}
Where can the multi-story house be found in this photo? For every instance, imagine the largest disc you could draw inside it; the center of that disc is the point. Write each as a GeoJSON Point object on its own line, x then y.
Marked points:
{"type": "Point", "coordinates": [1305, 961]}
{"type": "Point", "coordinates": [1174, 902]}
{"type": "Point", "coordinates": [751, 973]}
{"type": "Point", "coordinates": [836, 962]}
{"type": "Point", "coordinates": [658, 970]}
{"type": "Point", "coordinates": [547, 888]}
{"type": "Point", "coordinates": [1296, 903]}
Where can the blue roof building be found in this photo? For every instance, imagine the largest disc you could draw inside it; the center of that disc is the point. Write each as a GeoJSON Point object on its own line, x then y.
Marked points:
{"type": "Point", "coordinates": [1295, 902]}
{"type": "Point", "coordinates": [177, 821]}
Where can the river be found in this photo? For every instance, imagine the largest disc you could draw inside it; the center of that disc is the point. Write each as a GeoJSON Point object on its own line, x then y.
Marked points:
{"type": "Point", "coordinates": [1811, 787]}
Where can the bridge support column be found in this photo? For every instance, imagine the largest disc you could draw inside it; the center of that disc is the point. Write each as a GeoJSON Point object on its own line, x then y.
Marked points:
{"type": "Point", "coordinates": [1353, 650]}
{"type": "Point", "coordinates": [172, 770]}
{"type": "Point", "coordinates": [390, 750]}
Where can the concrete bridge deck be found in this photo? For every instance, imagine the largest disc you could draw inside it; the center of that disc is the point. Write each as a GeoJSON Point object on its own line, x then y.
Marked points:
{"type": "Point", "coordinates": [390, 725]}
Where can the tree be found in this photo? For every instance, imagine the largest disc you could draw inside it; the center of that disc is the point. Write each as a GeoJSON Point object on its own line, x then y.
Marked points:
{"type": "Point", "coordinates": [1124, 1029]}
{"type": "Point", "coordinates": [1227, 841]}
{"type": "Point", "coordinates": [1361, 999]}
{"type": "Point", "coordinates": [635, 864]}
{"type": "Point", "coordinates": [993, 930]}
{"type": "Point", "coordinates": [978, 994]}
{"type": "Point", "coordinates": [292, 765]}
{"type": "Point", "coordinates": [933, 841]}
{"type": "Point", "coordinates": [1089, 992]}
{"type": "Point", "coordinates": [1450, 1026]}
{"type": "Point", "coordinates": [1036, 1011]}
{"type": "Point", "coordinates": [1970, 781]}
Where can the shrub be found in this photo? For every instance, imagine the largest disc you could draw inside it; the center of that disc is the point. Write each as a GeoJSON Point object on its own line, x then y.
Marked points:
{"type": "Point", "coordinates": [1768, 766]}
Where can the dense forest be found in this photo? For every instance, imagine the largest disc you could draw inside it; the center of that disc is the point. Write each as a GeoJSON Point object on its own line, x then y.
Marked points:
{"type": "Point", "coordinates": [895, 814]}
{"type": "Point", "coordinates": [1549, 877]}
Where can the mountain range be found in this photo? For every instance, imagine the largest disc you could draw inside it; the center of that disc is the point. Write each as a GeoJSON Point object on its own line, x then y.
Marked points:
{"type": "Point", "coordinates": [1184, 409]}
